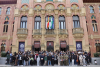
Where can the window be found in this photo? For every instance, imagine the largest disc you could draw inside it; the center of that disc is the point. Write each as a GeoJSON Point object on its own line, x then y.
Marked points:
{"type": "Point", "coordinates": [99, 9]}
{"type": "Point", "coordinates": [94, 24]}
{"type": "Point", "coordinates": [91, 9]}
{"type": "Point", "coordinates": [13, 27]}
{"type": "Point", "coordinates": [76, 22]}
{"type": "Point", "coordinates": [62, 22]}
{"type": "Point", "coordinates": [8, 11]}
{"type": "Point", "coordinates": [0, 10]}
{"type": "Point", "coordinates": [5, 26]}
{"type": "Point", "coordinates": [37, 22]}
{"type": "Point", "coordinates": [38, 0]}
{"type": "Point", "coordinates": [60, 0]}
{"type": "Point", "coordinates": [3, 47]}
{"type": "Point", "coordinates": [23, 22]}
{"type": "Point", "coordinates": [87, 25]}
{"type": "Point", "coordinates": [49, 22]}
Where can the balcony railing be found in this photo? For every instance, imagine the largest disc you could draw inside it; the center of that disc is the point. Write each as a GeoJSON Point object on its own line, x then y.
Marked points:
{"type": "Point", "coordinates": [78, 31]}
{"type": "Point", "coordinates": [63, 31]}
{"type": "Point", "coordinates": [50, 31]}
{"type": "Point", "coordinates": [37, 31]}
{"type": "Point", "coordinates": [22, 31]}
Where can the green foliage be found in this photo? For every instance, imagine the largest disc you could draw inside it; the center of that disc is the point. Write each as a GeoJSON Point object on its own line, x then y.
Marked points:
{"type": "Point", "coordinates": [3, 54]}
{"type": "Point", "coordinates": [97, 54]}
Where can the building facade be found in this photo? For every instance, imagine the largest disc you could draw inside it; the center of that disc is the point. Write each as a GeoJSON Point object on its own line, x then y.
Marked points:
{"type": "Point", "coordinates": [49, 25]}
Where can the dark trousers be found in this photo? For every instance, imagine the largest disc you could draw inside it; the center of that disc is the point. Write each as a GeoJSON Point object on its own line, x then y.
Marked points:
{"type": "Point", "coordinates": [52, 62]}
{"type": "Point", "coordinates": [55, 61]}
{"type": "Point", "coordinates": [42, 62]}
{"type": "Point", "coordinates": [7, 61]}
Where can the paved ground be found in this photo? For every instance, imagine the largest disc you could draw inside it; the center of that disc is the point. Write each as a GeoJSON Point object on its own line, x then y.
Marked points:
{"type": "Point", "coordinates": [50, 66]}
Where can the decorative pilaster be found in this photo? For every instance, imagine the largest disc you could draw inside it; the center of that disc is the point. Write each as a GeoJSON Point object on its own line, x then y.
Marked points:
{"type": "Point", "coordinates": [43, 45]}
{"type": "Point", "coordinates": [56, 29]}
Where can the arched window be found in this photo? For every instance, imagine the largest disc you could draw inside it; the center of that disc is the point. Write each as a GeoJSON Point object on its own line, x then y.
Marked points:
{"type": "Point", "coordinates": [8, 11]}
{"type": "Point", "coordinates": [3, 47]}
{"type": "Point", "coordinates": [76, 22]}
{"type": "Point", "coordinates": [0, 10]}
{"type": "Point", "coordinates": [37, 22]}
{"type": "Point", "coordinates": [49, 22]}
{"type": "Point", "coordinates": [5, 29]}
{"type": "Point", "coordinates": [23, 22]}
{"type": "Point", "coordinates": [91, 9]}
{"type": "Point", "coordinates": [62, 22]}
{"type": "Point", "coordinates": [94, 24]}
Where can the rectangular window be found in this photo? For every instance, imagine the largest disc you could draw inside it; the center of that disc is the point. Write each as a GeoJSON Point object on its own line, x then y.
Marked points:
{"type": "Point", "coordinates": [37, 25]}
{"type": "Point", "coordinates": [0, 10]}
{"type": "Point", "coordinates": [38, 0]}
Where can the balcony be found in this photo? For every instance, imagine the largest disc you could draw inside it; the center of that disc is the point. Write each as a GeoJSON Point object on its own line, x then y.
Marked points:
{"type": "Point", "coordinates": [63, 33]}
{"type": "Point", "coordinates": [78, 32]}
{"type": "Point", "coordinates": [22, 32]}
{"type": "Point", "coordinates": [37, 33]}
{"type": "Point", "coordinates": [50, 33]}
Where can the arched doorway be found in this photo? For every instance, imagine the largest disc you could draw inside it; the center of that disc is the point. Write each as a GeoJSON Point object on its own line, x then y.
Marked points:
{"type": "Point", "coordinates": [50, 46]}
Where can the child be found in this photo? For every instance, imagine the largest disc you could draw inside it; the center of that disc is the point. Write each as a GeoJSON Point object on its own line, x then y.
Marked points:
{"type": "Point", "coordinates": [95, 61]}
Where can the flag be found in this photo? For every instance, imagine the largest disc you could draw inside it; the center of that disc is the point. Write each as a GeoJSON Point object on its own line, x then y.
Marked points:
{"type": "Point", "coordinates": [52, 22]}
{"type": "Point", "coordinates": [48, 23]}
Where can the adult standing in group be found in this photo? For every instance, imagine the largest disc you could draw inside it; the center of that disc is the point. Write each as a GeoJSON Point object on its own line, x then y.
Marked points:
{"type": "Point", "coordinates": [81, 60]}
{"type": "Point", "coordinates": [59, 59]}
{"type": "Point", "coordinates": [42, 59]}
{"type": "Point", "coordinates": [52, 59]}
{"type": "Point", "coordinates": [8, 58]}
{"type": "Point", "coordinates": [49, 58]}
{"type": "Point", "coordinates": [45, 60]}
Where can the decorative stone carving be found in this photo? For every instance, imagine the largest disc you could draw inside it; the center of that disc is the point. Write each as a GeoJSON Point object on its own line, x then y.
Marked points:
{"type": "Point", "coordinates": [56, 11]}
{"type": "Point", "coordinates": [61, 6]}
{"type": "Point", "coordinates": [38, 7]}
{"type": "Point", "coordinates": [24, 9]}
{"type": "Point", "coordinates": [49, 6]}
{"type": "Point", "coordinates": [83, 12]}
{"type": "Point", "coordinates": [75, 9]}
{"type": "Point", "coordinates": [16, 12]}
{"type": "Point", "coordinates": [31, 12]}
{"type": "Point", "coordinates": [63, 33]}
{"type": "Point", "coordinates": [78, 32]}
{"type": "Point", "coordinates": [37, 33]}
{"type": "Point", "coordinates": [22, 33]}
{"type": "Point", "coordinates": [68, 12]}
{"type": "Point", "coordinates": [43, 11]}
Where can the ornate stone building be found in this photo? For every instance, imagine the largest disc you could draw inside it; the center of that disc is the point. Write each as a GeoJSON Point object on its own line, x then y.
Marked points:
{"type": "Point", "coordinates": [49, 25]}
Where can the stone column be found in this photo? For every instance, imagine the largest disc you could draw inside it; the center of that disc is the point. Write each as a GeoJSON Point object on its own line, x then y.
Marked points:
{"type": "Point", "coordinates": [56, 29]}
{"type": "Point", "coordinates": [43, 30]}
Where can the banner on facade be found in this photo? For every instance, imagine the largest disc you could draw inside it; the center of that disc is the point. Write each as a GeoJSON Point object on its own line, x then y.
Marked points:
{"type": "Point", "coordinates": [21, 46]}
{"type": "Point", "coordinates": [78, 45]}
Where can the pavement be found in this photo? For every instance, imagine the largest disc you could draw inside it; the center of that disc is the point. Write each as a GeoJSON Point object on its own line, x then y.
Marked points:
{"type": "Point", "coordinates": [50, 66]}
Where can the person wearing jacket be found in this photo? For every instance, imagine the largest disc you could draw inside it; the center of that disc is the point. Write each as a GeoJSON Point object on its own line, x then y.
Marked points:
{"type": "Point", "coordinates": [42, 59]}
{"type": "Point", "coordinates": [49, 59]}
{"type": "Point", "coordinates": [52, 61]}
{"type": "Point", "coordinates": [8, 58]}
{"type": "Point", "coordinates": [26, 60]}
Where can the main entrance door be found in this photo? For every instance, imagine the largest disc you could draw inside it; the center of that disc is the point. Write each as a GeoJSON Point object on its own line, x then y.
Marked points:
{"type": "Point", "coordinates": [50, 46]}
{"type": "Point", "coordinates": [63, 46]}
{"type": "Point", "coordinates": [37, 46]}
